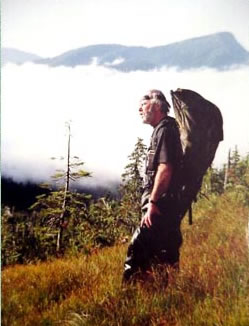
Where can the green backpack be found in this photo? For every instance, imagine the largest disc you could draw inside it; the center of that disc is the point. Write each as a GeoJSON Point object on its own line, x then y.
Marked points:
{"type": "Point", "coordinates": [201, 129]}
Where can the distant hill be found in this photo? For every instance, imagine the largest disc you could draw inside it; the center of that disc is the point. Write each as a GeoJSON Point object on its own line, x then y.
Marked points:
{"type": "Point", "coordinates": [9, 55]}
{"type": "Point", "coordinates": [219, 51]}
{"type": "Point", "coordinates": [23, 194]}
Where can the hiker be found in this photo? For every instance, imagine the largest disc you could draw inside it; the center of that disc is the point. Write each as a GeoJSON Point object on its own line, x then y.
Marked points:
{"type": "Point", "coordinates": [158, 239]}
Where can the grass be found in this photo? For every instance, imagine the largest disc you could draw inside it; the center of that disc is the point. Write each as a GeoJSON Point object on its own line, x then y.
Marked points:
{"type": "Point", "coordinates": [211, 289]}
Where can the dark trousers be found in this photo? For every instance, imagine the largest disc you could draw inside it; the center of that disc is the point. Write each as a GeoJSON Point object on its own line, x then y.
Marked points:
{"type": "Point", "coordinates": [158, 244]}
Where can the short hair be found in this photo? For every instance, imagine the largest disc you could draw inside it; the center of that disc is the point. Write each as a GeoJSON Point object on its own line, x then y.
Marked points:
{"type": "Point", "coordinates": [158, 97]}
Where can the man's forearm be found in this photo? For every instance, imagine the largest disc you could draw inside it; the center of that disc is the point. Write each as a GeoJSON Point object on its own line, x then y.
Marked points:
{"type": "Point", "coordinates": [162, 181]}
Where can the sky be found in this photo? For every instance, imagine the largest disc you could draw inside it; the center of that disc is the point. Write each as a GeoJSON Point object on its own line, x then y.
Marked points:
{"type": "Point", "coordinates": [50, 27]}
{"type": "Point", "coordinates": [103, 103]}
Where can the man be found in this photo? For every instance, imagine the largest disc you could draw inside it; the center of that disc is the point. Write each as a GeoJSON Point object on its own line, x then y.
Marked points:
{"type": "Point", "coordinates": [158, 239]}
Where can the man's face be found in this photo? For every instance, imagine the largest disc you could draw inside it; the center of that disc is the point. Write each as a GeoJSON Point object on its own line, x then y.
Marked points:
{"type": "Point", "coordinates": [146, 110]}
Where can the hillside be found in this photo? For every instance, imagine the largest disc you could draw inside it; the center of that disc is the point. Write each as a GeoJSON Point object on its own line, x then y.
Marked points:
{"type": "Point", "coordinates": [219, 51]}
{"type": "Point", "coordinates": [212, 287]}
{"type": "Point", "coordinates": [9, 55]}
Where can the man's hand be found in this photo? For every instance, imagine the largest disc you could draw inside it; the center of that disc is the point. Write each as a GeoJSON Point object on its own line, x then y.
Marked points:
{"type": "Point", "coordinates": [152, 211]}
{"type": "Point", "coordinates": [161, 183]}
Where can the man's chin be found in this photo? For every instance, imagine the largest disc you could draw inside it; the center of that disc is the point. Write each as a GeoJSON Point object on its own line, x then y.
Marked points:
{"type": "Point", "coordinates": [146, 122]}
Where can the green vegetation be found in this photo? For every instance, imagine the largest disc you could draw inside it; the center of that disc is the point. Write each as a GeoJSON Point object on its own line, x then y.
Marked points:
{"type": "Point", "coordinates": [212, 287]}
{"type": "Point", "coordinates": [82, 284]}
{"type": "Point", "coordinates": [66, 222]}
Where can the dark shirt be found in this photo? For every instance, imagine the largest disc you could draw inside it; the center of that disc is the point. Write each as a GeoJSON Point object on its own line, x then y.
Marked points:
{"type": "Point", "coordinates": [165, 147]}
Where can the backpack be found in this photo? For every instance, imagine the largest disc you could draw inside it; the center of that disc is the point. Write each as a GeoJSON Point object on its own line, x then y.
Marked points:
{"type": "Point", "coordinates": [201, 129]}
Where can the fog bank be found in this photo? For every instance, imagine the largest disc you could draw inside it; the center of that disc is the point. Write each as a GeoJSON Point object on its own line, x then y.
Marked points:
{"type": "Point", "coordinates": [103, 107]}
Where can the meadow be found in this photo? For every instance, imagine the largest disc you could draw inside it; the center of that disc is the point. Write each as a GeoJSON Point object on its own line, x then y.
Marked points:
{"type": "Point", "coordinates": [211, 288]}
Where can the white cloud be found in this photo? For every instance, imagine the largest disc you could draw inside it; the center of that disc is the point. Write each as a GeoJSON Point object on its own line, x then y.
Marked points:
{"type": "Point", "coordinates": [115, 62]}
{"type": "Point", "coordinates": [103, 106]}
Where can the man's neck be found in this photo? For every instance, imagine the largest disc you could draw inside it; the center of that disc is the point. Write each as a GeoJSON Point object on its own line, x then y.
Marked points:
{"type": "Point", "coordinates": [160, 118]}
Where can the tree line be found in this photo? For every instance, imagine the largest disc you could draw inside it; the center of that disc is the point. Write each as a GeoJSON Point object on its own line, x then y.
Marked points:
{"type": "Point", "coordinates": [62, 221]}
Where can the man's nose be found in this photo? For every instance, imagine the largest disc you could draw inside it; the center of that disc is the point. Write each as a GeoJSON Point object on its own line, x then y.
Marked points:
{"type": "Point", "coordinates": [140, 109]}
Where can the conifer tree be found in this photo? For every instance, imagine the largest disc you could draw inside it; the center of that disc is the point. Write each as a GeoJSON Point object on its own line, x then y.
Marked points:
{"type": "Point", "coordinates": [62, 204]}
{"type": "Point", "coordinates": [131, 188]}
{"type": "Point", "coordinates": [227, 170]}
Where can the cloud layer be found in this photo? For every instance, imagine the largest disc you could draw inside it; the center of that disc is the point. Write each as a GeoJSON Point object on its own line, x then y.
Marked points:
{"type": "Point", "coordinates": [103, 107]}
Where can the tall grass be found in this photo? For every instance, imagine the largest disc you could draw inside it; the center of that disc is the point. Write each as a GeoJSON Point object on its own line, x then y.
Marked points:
{"type": "Point", "coordinates": [211, 288]}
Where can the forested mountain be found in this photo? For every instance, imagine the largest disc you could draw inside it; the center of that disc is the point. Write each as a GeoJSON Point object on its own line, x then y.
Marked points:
{"type": "Point", "coordinates": [9, 55]}
{"type": "Point", "coordinates": [219, 51]}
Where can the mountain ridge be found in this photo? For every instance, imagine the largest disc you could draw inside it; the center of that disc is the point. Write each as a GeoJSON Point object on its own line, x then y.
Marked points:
{"type": "Point", "coordinates": [220, 51]}
{"type": "Point", "coordinates": [12, 55]}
